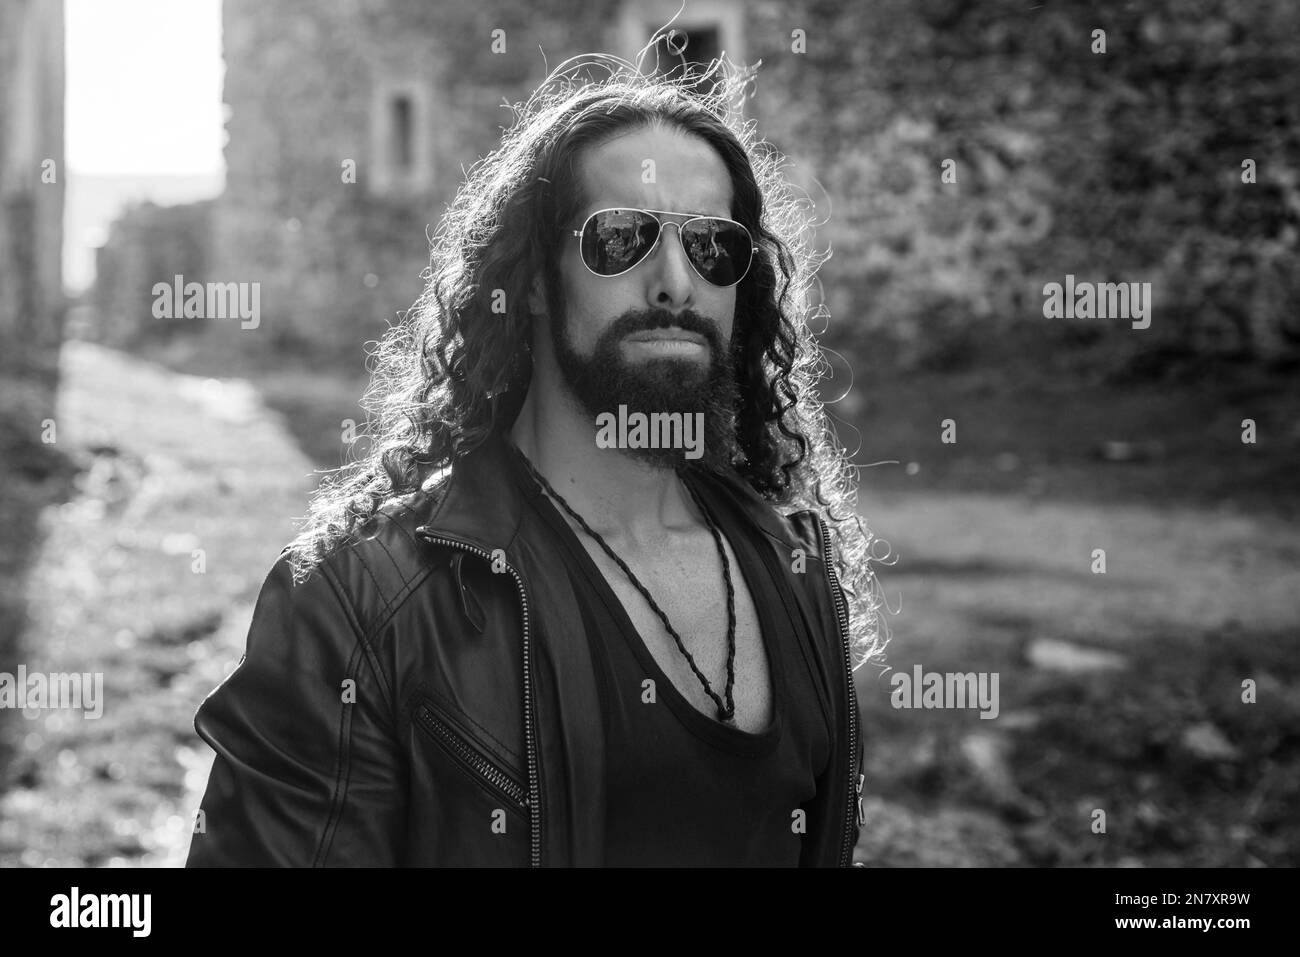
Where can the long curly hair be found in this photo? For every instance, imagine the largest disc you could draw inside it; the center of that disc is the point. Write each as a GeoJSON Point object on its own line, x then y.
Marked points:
{"type": "Point", "coordinates": [456, 369]}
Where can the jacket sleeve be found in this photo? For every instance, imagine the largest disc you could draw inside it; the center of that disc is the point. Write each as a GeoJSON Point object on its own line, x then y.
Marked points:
{"type": "Point", "coordinates": [307, 770]}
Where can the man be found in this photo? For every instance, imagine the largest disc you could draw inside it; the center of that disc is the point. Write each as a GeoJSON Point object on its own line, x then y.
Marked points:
{"type": "Point", "coordinates": [560, 615]}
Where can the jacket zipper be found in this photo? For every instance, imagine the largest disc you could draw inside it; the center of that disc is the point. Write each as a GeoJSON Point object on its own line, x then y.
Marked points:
{"type": "Point", "coordinates": [842, 617]}
{"type": "Point", "coordinates": [534, 786]}
{"type": "Point", "coordinates": [464, 752]}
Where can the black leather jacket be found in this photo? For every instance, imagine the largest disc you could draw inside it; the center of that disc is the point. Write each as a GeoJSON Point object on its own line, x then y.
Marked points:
{"type": "Point", "coordinates": [403, 707]}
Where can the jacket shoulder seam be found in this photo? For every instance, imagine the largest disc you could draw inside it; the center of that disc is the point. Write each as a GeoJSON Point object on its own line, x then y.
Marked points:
{"type": "Point", "coordinates": [394, 603]}
{"type": "Point", "coordinates": [389, 602]}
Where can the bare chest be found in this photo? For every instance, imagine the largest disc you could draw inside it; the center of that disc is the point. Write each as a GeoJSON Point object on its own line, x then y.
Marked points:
{"type": "Point", "coordinates": [689, 587]}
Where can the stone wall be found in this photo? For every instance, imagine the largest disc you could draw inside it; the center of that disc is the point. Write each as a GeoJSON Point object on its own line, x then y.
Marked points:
{"type": "Point", "coordinates": [1122, 164]}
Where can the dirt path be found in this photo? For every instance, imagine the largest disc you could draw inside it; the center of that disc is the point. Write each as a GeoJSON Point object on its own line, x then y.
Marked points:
{"type": "Point", "coordinates": [146, 576]}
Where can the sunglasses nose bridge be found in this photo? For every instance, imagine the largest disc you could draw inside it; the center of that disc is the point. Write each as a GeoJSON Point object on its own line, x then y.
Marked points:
{"type": "Point", "coordinates": [659, 238]}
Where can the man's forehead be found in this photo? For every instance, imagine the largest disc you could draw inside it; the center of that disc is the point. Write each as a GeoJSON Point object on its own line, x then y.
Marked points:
{"type": "Point", "coordinates": [656, 169]}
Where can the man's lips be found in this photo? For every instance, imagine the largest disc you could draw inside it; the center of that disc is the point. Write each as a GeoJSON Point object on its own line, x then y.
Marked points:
{"type": "Point", "coordinates": [670, 334]}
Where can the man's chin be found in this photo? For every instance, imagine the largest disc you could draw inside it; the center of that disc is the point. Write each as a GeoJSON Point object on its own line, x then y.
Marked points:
{"type": "Point", "coordinates": [664, 379]}
{"type": "Point", "coordinates": [610, 387]}
{"type": "Point", "coordinates": [669, 432]}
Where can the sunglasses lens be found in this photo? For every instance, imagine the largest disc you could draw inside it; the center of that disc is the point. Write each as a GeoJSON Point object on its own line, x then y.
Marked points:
{"type": "Point", "coordinates": [719, 249]}
{"type": "Point", "coordinates": [615, 240]}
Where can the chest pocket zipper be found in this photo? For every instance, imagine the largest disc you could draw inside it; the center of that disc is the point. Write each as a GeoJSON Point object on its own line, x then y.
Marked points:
{"type": "Point", "coordinates": [492, 777]}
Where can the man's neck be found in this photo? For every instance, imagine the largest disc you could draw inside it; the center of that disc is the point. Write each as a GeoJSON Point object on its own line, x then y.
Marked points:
{"type": "Point", "coordinates": [623, 498]}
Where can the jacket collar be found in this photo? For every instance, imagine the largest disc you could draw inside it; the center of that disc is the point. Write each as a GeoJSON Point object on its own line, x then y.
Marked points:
{"type": "Point", "coordinates": [479, 502]}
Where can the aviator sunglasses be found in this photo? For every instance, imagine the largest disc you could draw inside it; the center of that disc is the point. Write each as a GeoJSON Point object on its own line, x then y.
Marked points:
{"type": "Point", "coordinates": [614, 240]}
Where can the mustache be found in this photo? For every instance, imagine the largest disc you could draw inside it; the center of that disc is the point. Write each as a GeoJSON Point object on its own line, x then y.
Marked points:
{"type": "Point", "coordinates": [643, 320]}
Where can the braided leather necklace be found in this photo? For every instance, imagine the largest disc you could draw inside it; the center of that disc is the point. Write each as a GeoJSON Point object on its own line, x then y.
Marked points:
{"type": "Point", "coordinates": [727, 707]}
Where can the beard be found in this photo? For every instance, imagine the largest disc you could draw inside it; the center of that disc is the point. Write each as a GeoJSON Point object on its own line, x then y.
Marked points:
{"type": "Point", "coordinates": [605, 380]}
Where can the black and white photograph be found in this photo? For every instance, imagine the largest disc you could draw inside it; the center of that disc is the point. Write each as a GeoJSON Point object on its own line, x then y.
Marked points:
{"type": "Point", "coordinates": [729, 434]}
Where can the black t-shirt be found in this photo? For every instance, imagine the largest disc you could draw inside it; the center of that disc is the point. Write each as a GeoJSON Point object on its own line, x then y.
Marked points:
{"type": "Point", "coordinates": [683, 789]}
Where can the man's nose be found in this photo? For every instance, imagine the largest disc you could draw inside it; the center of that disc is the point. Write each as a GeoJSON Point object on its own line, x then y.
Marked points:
{"type": "Point", "coordinates": [674, 279]}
